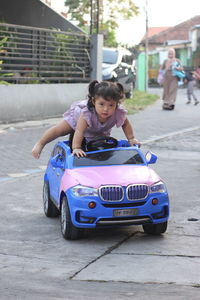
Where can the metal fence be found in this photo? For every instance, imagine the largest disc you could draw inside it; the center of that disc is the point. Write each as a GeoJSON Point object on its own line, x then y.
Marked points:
{"type": "Point", "coordinates": [35, 55]}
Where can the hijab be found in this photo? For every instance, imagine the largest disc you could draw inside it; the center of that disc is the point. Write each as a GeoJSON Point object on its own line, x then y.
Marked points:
{"type": "Point", "coordinates": [171, 58]}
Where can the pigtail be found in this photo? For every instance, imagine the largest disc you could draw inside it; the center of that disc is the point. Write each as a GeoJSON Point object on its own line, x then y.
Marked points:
{"type": "Point", "coordinates": [121, 90]}
{"type": "Point", "coordinates": [91, 94]}
{"type": "Point", "coordinates": [91, 87]}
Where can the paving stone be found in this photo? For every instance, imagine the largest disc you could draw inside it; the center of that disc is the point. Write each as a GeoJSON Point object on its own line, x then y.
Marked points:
{"type": "Point", "coordinates": [144, 269]}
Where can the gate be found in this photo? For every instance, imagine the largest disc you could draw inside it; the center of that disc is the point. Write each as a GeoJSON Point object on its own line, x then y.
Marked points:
{"type": "Point", "coordinates": [36, 55]}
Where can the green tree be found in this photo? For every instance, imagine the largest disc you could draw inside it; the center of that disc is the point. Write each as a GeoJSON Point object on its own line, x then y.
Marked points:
{"type": "Point", "coordinates": [110, 11]}
{"type": "Point", "coordinates": [78, 10]}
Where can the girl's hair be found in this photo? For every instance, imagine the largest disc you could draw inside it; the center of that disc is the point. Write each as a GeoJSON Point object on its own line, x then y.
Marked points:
{"type": "Point", "coordinates": [107, 90]}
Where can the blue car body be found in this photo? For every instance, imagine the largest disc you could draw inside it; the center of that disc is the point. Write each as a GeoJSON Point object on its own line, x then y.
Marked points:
{"type": "Point", "coordinates": [108, 187]}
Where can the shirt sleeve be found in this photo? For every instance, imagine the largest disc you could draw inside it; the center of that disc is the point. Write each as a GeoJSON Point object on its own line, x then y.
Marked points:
{"type": "Point", "coordinates": [87, 116]}
{"type": "Point", "coordinates": [121, 115]}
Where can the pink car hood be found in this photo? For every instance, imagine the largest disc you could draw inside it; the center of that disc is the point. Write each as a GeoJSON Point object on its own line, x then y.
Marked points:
{"type": "Point", "coordinates": [119, 175]}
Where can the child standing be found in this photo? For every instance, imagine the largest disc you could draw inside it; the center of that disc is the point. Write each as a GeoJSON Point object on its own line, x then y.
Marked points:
{"type": "Point", "coordinates": [91, 118]}
{"type": "Point", "coordinates": [190, 80]}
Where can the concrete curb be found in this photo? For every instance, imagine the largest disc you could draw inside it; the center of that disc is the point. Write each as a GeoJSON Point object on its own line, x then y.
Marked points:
{"type": "Point", "coordinates": [33, 123]}
{"type": "Point", "coordinates": [171, 134]}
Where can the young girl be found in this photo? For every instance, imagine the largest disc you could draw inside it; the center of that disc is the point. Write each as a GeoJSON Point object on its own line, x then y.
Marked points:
{"type": "Point", "coordinates": [91, 118]}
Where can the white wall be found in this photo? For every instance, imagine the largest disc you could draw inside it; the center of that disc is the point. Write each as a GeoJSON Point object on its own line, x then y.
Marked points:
{"type": "Point", "coordinates": [22, 102]}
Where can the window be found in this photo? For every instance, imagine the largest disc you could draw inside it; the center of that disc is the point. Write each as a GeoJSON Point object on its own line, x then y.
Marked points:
{"type": "Point", "coordinates": [109, 158]}
{"type": "Point", "coordinates": [110, 56]}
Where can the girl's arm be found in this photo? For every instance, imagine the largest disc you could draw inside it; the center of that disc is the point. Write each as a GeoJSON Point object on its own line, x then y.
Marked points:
{"type": "Point", "coordinates": [62, 128]}
{"type": "Point", "coordinates": [78, 137]}
{"type": "Point", "coordinates": [128, 131]}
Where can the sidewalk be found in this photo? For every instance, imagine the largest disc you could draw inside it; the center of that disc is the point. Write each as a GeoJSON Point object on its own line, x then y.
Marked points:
{"type": "Point", "coordinates": [154, 122]}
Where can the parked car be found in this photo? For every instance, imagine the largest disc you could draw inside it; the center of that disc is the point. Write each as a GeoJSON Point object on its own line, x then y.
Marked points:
{"type": "Point", "coordinates": [112, 186]}
{"type": "Point", "coordinates": [118, 65]}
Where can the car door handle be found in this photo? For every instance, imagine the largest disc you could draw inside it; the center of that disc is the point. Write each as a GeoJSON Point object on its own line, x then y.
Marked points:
{"type": "Point", "coordinates": [58, 174]}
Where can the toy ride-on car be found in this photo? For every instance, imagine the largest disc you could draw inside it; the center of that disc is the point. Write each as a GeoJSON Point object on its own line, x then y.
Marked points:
{"type": "Point", "coordinates": [111, 186]}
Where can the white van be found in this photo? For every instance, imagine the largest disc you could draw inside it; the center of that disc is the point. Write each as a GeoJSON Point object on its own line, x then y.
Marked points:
{"type": "Point", "coordinates": [118, 65]}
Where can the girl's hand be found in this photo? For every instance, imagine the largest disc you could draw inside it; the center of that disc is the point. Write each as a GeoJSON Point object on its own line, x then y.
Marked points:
{"type": "Point", "coordinates": [134, 141]}
{"type": "Point", "coordinates": [37, 149]}
{"type": "Point", "coordinates": [79, 152]}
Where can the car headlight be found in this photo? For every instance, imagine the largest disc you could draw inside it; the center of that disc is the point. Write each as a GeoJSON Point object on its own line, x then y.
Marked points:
{"type": "Point", "coordinates": [114, 74]}
{"type": "Point", "coordinates": [82, 191]}
{"type": "Point", "coordinates": [107, 71]}
{"type": "Point", "coordinates": [158, 187]}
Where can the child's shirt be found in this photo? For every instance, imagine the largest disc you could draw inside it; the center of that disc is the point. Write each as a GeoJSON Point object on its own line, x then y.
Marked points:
{"type": "Point", "coordinates": [95, 127]}
{"type": "Point", "coordinates": [189, 76]}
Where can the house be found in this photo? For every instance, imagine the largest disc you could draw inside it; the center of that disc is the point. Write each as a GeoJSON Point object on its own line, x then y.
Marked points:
{"type": "Point", "coordinates": [153, 31]}
{"type": "Point", "coordinates": [34, 13]}
{"type": "Point", "coordinates": [195, 45]}
{"type": "Point", "coordinates": [184, 37]}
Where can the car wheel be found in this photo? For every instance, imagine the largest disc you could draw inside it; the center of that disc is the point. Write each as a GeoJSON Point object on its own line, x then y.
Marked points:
{"type": "Point", "coordinates": [50, 209]}
{"type": "Point", "coordinates": [155, 229]}
{"type": "Point", "coordinates": [69, 231]}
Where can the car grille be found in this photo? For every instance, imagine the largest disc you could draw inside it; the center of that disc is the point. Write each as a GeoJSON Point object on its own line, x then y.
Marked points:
{"type": "Point", "coordinates": [116, 192]}
{"type": "Point", "coordinates": [137, 191]}
{"type": "Point", "coordinates": [111, 193]}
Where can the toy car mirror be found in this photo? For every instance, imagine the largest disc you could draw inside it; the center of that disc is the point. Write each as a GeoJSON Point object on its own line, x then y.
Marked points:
{"type": "Point", "coordinates": [57, 162]}
{"type": "Point", "coordinates": [151, 158]}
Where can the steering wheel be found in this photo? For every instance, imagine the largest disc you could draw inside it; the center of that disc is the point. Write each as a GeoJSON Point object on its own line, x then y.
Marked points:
{"type": "Point", "coordinates": [102, 142]}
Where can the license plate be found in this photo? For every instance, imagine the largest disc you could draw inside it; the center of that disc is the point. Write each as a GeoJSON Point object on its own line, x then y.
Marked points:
{"type": "Point", "coordinates": [125, 212]}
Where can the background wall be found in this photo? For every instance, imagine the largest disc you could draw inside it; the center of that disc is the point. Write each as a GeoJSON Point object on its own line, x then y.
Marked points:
{"type": "Point", "coordinates": [22, 102]}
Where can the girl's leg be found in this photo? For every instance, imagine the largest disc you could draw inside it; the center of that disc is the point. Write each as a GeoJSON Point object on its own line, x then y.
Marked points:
{"type": "Point", "coordinates": [189, 91]}
{"type": "Point", "coordinates": [193, 95]}
{"type": "Point", "coordinates": [189, 98]}
{"type": "Point", "coordinates": [62, 128]}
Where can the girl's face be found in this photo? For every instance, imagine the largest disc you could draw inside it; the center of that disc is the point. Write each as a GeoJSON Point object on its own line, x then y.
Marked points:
{"type": "Point", "coordinates": [104, 108]}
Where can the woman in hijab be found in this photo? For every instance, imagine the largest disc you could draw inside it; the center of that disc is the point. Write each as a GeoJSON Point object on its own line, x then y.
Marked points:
{"type": "Point", "coordinates": [170, 82]}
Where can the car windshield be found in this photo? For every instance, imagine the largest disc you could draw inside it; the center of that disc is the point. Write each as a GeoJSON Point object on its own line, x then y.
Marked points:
{"type": "Point", "coordinates": [109, 158]}
{"type": "Point", "coordinates": [110, 56]}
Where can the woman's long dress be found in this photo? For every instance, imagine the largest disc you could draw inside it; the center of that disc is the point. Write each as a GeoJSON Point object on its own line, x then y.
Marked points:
{"type": "Point", "coordinates": [170, 87]}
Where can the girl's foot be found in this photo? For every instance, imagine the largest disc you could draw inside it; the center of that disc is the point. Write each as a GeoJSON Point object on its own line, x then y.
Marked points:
{"type": "Point", "coordinates": [188, 102]}
{"type": "Point", "coordinates": [37, 149]}
{"type": "Point", "coordinates": [196, 102]}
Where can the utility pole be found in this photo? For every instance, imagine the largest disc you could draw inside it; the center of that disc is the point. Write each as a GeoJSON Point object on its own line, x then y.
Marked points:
{"type": "Point", "coordinates": [91, 17]}
{"type": "Point", "coordinates": [146, 49]}
{"type": "Point", "coordinates": [96, 7]}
